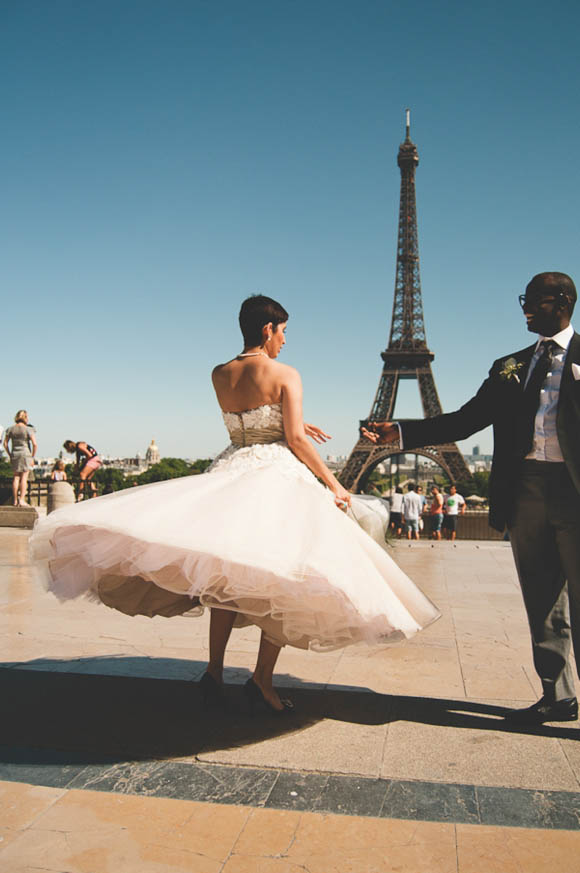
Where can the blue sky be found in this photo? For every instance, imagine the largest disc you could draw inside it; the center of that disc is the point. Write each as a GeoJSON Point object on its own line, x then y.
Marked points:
{"type": "Point", "coordinates": [163, 160]}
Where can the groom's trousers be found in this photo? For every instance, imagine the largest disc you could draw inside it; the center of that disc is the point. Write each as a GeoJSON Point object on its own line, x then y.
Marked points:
{"type": "Point", "coordinates": [544, 531]}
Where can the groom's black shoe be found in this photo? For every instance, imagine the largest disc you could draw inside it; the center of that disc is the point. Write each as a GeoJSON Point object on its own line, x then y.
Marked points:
{"type": "Point", "coordinates": [544, 710]}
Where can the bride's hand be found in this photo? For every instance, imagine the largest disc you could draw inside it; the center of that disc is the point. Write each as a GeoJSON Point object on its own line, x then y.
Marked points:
{"type": "Point", "coordinates": [316, 433]}
{"type": "Point", "coordinates": [342, 497]}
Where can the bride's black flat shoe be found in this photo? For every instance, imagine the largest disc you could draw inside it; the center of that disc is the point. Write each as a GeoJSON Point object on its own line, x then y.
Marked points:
{"type": "Point", "coordinates": [255, 698]}
{"type": "Point", "coordinates": [211, 691]}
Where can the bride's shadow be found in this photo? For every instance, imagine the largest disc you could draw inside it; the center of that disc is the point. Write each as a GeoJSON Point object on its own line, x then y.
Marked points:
{"type": "Point", "coordinates": [94, 716]}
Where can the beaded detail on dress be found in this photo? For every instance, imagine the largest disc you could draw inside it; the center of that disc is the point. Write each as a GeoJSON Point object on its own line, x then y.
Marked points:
{"type": "Point", "coordinates": [257, 441]}
{"type": "Point", "coordinates": [264, 424]}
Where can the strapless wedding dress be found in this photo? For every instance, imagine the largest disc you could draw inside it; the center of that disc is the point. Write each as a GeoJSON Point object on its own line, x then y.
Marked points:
{"type": "Point", "coordinates": [256, 534]}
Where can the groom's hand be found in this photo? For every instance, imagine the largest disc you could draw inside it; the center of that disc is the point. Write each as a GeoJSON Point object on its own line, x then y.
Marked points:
{"type": "Point", "coordinates": [380, 432]}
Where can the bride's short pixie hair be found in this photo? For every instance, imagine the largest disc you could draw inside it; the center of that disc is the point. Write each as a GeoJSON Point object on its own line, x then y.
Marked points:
{"type": "Point", "coordinates": [257, 311]}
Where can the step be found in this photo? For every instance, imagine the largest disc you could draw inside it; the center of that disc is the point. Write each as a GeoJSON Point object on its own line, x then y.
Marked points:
{"type": "Point", "coordinates": [18, 516]}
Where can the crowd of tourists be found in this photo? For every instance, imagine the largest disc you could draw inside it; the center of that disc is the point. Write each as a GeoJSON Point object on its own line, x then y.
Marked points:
{"type": "Point", "coordinates": [410, 511]}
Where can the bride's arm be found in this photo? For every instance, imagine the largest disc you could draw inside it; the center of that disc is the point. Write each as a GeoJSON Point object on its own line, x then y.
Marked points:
{"type": "Point", "coordinates": [296, 435]}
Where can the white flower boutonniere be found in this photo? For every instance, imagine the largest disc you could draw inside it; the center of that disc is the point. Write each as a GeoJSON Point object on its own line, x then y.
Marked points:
{"type": "Point", "coordinates": [510, 370]}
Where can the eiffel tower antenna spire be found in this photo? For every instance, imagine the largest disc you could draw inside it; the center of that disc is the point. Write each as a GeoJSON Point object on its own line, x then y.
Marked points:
{"type": "Point", "coordinates": [407, 355]}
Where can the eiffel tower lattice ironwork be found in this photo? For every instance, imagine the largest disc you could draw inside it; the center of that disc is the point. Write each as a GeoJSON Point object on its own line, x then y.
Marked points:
{"type": "Point", "coordinates": [407, 355]}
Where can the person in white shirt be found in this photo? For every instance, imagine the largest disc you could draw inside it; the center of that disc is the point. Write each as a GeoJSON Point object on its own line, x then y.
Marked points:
{"type": "Point", "coordinates": [419, 490]}
{"type": "Point", "coordinates": [412, 509]}
{"type": "Point", "coordinates": [396, 519]}
{"type": "Point", "coordinates": [453, 504]}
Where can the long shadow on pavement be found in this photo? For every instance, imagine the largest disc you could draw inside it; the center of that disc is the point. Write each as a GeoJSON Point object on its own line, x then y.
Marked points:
{"type": "Point", "coordinates": [110, 718]}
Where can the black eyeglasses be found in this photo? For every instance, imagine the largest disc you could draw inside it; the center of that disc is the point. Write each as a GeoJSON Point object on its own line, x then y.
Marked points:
{"type": "Point", "coordinates": [535, 301]}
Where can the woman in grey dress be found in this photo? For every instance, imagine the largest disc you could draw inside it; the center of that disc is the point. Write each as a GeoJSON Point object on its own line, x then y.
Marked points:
{"type": "Point", "coordinates": [21, 453]}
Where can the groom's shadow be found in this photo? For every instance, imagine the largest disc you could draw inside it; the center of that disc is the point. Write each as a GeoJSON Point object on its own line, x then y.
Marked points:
{"type": "Point", "coordinates": [96, 717]}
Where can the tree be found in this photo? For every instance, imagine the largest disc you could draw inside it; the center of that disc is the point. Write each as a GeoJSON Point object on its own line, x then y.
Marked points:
{"type": "Point", "coordinates": [172, 468]}
{"type": "Point", "coordinates": [110, 478]}
{"type": "Point", "coordinates": [200, 466]}
{"type": "Point", "coordinates": [167, 468]}
{"type": "Point", "coordinates": [481, 483]}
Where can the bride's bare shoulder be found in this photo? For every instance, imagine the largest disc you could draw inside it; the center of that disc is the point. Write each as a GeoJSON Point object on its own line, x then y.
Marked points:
{"type": "Point", "coordinates": [221, 369]}
{"type": "Point", "coordinates": [288, 375]}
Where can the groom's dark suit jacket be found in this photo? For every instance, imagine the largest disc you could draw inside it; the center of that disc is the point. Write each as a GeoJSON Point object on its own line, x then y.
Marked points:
{"type": "Point", "coordinates": [499, 402]}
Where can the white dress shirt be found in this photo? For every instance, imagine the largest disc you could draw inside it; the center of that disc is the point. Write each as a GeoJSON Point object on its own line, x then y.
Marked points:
{"type": "Point", "coordinates": [546, 446]}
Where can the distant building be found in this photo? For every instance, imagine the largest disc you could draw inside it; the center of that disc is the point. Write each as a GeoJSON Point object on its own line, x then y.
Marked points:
{"type": "Point", "coordinates": [43, 467]}
{"type": "Point", "coordinates": [152, 455]}
{"type": "Point", "coordinates": [477, 462]}
{"type": "Point", "coordinates": [335, 462]}
{"type": "Point", "coordinates": [128, 466]}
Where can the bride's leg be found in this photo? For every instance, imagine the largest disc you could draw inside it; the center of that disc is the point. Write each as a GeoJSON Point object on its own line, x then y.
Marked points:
{"type": "Point", "coordinates": [263, 673]}
{"type": "Point", "coordinates": [221, 623]}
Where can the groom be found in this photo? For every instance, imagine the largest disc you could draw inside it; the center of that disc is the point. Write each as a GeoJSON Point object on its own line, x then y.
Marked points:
{"type": "Point", "coordinates": [532, 399]}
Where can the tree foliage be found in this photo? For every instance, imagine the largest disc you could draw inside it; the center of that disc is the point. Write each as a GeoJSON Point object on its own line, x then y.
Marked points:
{"type": "Point", "coordinates": [5, 469]}
{"type": "Point", "coordinates": [167, 468]}
{"type": "Point", "coordinates": [112, 479]}
{"type": "Point", "coordinates": [200, 466]}
{"type": "Point", "coordinates": [481, 483]}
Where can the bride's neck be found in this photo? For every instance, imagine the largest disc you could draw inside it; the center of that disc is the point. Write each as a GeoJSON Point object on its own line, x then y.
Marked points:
{"type": "Point", "coordinates": [254, 350]}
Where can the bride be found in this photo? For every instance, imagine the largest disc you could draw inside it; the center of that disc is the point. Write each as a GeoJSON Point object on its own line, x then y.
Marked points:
{"type": "Point", "coordinates": [259, 539]}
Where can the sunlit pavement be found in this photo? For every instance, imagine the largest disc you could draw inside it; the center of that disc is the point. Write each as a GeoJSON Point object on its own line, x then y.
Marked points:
{"type": "Point", "coordinates": [396, 758]}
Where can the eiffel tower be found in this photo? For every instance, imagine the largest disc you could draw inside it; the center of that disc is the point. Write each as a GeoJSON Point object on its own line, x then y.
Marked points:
{"type": "Point", "coordinates": [407, 355]}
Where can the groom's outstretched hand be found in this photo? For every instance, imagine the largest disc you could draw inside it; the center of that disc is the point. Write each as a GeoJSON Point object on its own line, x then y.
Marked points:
{"type": "Point", "coordinates": [380, 432]}
{"type": "Point", "coordinates": [316, 433]}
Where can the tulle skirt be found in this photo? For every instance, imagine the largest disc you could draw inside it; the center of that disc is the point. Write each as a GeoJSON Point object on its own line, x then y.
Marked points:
{"type": "Point", "coordinates": [257, 534]}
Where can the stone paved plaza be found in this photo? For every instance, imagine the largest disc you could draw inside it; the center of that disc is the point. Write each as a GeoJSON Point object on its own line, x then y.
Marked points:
{"type": "Point", "coordinates": [396, 758]}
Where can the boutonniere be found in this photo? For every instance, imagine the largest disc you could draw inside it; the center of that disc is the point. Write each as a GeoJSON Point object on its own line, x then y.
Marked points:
{"type": "Point", "coordinates": [510, 370]}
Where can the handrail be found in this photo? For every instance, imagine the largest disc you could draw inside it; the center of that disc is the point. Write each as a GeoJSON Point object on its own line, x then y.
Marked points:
{"type": "Point", "coordinates": [38, 489]}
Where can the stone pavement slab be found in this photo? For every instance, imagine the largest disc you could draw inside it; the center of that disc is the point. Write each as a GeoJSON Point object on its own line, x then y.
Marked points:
{"type": "Point", "coordinates": [298, 790]}
{"type": "Point", "coordinates": [364, 711]}
{"type": "Point", "coordinates": [88, 831]}
{"type": "Point", "coordinates": [96, 700]}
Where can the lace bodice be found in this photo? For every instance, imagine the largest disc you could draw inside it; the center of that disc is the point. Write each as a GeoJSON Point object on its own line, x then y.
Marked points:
{"type": "Point", "coordinates": [261, 425]}
{"type": "Point", "coordinates": [258, 443]}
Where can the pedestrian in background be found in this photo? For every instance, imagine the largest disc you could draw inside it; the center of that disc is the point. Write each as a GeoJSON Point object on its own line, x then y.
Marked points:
{"type": "Point", "coordinates": [58, 472]}
{"type": "Point", "coordinates": [21, 452]}
{"type": "Point", "coordinates": [436, 513]}
{"type": "Point", "coordinates": [453, 505]}
{"type": "Point", "coordinates": [412, 508]}
{"type": "Point", "coordinates": [396, 520]}
{"type": "Point", "coordinates": [419, 490]}
{"type": "Point", "coordinates": [87, 464]}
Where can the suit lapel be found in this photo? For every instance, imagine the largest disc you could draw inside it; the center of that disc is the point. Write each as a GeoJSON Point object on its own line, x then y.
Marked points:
{"type": "Point", "coordinates": [572, 357]}
{"type": "Point", "coordinates": [525, 357]}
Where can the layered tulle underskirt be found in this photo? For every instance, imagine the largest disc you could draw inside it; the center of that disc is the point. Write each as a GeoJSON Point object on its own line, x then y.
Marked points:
{"type": "Point", "coordinates": [257, 535]}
